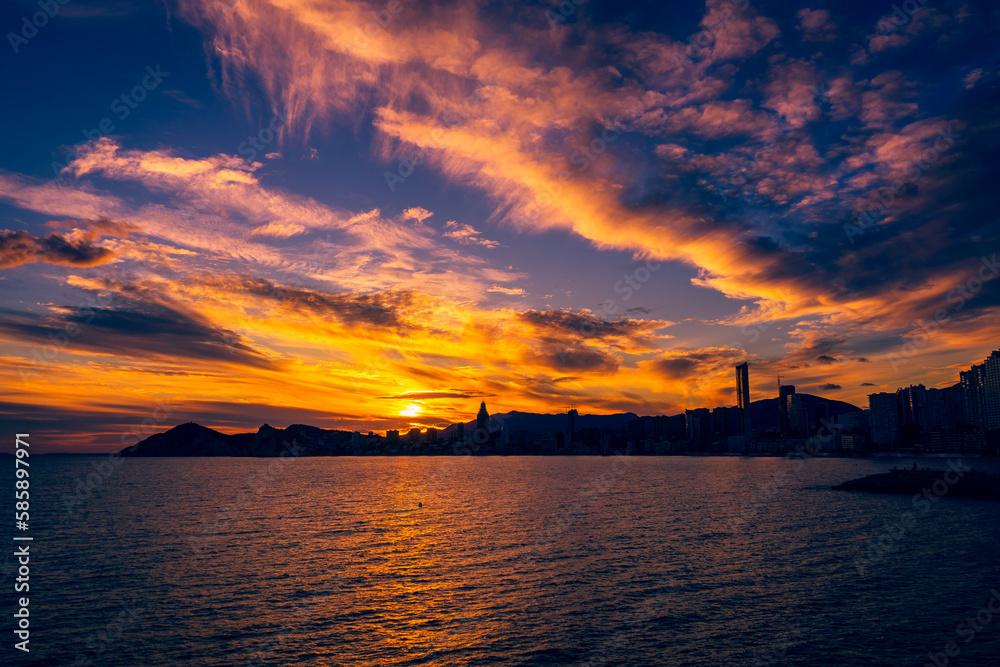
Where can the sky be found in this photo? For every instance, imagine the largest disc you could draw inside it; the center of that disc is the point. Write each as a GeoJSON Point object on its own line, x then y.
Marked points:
{"type": "Point", "coordinates": [375, 215]}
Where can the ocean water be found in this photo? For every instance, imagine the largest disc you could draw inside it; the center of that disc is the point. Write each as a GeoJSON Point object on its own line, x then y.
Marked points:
{"type": "Point", "coordinates": [498, 561]}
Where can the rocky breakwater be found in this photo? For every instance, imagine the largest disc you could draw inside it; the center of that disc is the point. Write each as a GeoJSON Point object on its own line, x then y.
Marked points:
{"type": "Point", "coordinates": [956, 481]}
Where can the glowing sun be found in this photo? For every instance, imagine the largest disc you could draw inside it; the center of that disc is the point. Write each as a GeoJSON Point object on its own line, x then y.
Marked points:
{"type": "Point", "coordinates": [411, 410]}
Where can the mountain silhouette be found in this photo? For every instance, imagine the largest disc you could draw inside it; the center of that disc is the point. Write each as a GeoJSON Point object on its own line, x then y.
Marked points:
{"type": "Point", "coordinates": [195, 440]}
{"type": "Point", "coordinates": [764, 413]}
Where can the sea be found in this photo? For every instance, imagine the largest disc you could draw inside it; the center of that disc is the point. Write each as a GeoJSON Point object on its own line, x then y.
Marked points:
{"type": "Point", "coordinates": [458, 560]}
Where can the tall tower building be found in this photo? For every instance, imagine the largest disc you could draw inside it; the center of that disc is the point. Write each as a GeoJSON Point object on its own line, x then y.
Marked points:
{"type": "Point", "coordinates": [483, 418]}
{"type": "Point", "coordinates": [884, 415]}
{"type": "Point", "coordinates": [798, 417]}
{"type": "Point", "coordinates": [699, 422]}
{"type": "Point", "coordinates": [743, 397]}
{"type": "Point", "coordinates": [784, 391]}
{"type": "Point", "coordinates": [720, 422]}
{"type": "Point", "coordinates": [991, 390]}
{"type": "Point", "coordinates": [972, 396]}
{"type": "Point", "coordinates": [571, 418]}
{"type": "Point", "coordinates": [912, 402]}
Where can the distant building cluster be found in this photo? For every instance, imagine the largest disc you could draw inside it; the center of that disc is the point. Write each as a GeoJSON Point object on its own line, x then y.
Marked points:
{"type": "Point", "coordinates": [962, 417]}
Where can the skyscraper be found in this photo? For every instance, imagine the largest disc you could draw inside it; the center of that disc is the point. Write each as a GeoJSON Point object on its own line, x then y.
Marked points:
{"type": "Point", "coordinates": [743, 397]}
{"type": "Point", "coordinates": [699, 422]}
{"type": "Point", "coordinates": [720, 422]}
{"type": "Point", "coordinates": [483, 419]}
{"type": "Point", "coordinates": [911, 408]}
{"type": "Point", "coordinates": [912, 405]}
{"type": "Point", "coordinates": [981, 393]}
{"type": "Point", "coordinates": [784, 391]}
{"type": "Point", "coordinates": [798, 416]}
{"type": "Point", "coordinates": [571, 425]}
{"type": "Point", "coordinates": [972, 396]}
{"type": "Point", "coordinates": [937, 411]}
{"type": "Point", "coordinates": [991, 391]}
{"type": "Point", "coordinates": [884, 417]}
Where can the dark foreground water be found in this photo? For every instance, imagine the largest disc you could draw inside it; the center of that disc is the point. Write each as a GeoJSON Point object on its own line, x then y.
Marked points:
{"type": "Point", "coordinates": [510, 561]}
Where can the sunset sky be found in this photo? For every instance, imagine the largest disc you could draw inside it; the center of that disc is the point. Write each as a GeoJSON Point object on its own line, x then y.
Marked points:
{"type": "Point", "coordinates": [610, 207]}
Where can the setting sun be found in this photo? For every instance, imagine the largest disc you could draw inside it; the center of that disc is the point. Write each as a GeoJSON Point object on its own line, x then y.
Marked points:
{"type": "Point", "coordinates": [412, 410]}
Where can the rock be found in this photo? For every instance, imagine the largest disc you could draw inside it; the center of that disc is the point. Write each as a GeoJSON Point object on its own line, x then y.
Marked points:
{"type": "Point", "coordinates": [946, 483]}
